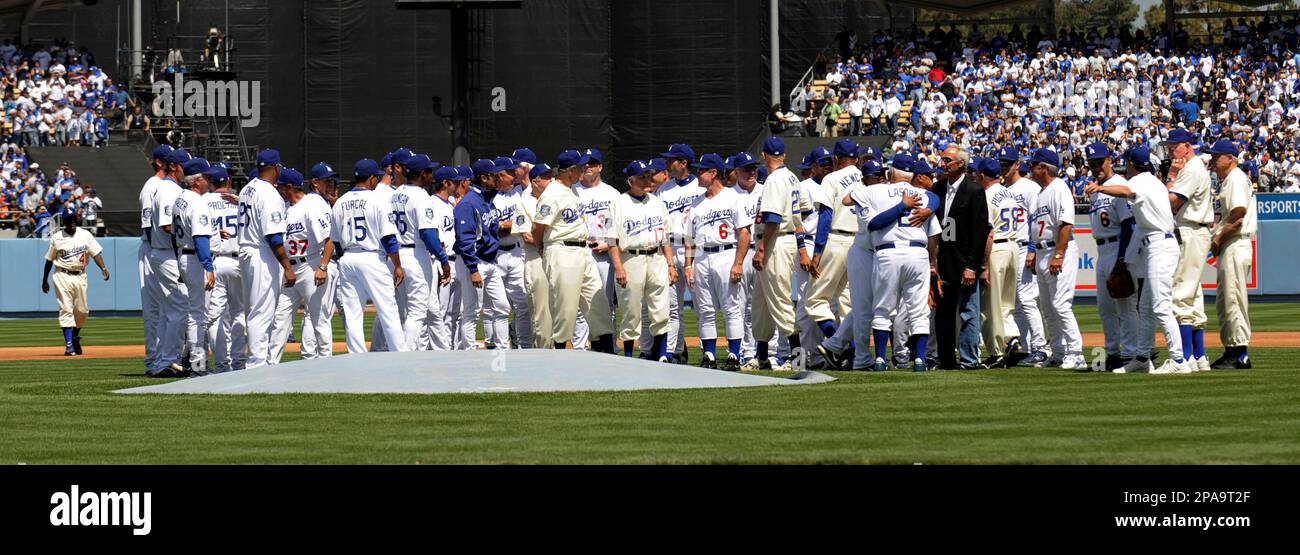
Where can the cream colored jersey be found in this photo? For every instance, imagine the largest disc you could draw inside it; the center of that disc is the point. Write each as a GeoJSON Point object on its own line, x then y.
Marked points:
{"type": "Point", "coordinates": [225, 217]}
{"type": "Point", "coordinates": [717, 220]}
{"type": "Point", "coordinates": [781, 197]}
{"type": "Point", "coordinates": [525, 209]}
{"type": "Point", "coordinates": [1025, 192]}
{"type": "Point", "coordinates": [1003, 208]}
{"type": "Point", "coordinates": [811, 191]}
{"type": "Point", "coordinates": [1053, 208]}
{"type": "Point", "coordinates": [835, 186]}
{"type": "Point", "coordinates": [1107, 213]}
{"type": "Point", "coordinates": [1193, 184]}
{"type": "Point", "coordinates": [71, 252]}
{"type": "Point", "coordinates": [1150, 204]}
{"type": "Point", "coordinates": [639, 223]}
{"type": "Point", "coordinates": [1236, 192]}
{"type": "Point", "coordinates": [560, 210]}
{"type": "Point", "coordinates": [191, 219]}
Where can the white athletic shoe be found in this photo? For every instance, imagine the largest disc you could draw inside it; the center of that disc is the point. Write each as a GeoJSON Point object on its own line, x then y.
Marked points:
{"type": "Point", "coordinates": [750, 365]}
{"type": "Point", "coordinates": [1074, 363]}
{"type": "Point", "coordinates": [1135, 366]}
{"type": "Point", "coordinates": [1202, 364]}
{"type": "Point", "coordinates": [1171, 367]}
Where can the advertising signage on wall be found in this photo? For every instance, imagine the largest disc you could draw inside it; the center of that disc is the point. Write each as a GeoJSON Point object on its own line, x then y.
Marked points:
{"type": "Point", "coordinates": [1278, 206]}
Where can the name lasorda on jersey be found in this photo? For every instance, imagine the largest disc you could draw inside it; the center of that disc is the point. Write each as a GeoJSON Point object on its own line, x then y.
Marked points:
{"type": "Point", "coordinates": [201, 99]}
{"type": "Point", "coordinates": [78, 508]}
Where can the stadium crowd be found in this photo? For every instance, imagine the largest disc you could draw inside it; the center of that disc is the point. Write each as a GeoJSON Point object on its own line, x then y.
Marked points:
{"type": "Point", "coordinates": [1029, 90]}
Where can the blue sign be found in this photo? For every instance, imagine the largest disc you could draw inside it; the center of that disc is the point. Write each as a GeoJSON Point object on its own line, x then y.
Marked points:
{"type": "Point", "coordinates": [1278, 206]}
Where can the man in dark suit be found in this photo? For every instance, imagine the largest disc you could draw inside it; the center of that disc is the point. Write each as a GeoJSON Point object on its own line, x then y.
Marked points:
{"type": "Point", "coordinates": [964, 215]}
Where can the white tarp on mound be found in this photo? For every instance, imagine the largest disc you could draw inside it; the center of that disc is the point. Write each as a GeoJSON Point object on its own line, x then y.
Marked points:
{"type": "Point", "coordinates": [469, 372]}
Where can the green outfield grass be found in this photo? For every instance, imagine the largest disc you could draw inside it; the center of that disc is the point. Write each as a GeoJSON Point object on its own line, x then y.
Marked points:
{"type": "Point", "coordinates": [63, 412]}
{"type": "Point", "coordinates": [129, 331]}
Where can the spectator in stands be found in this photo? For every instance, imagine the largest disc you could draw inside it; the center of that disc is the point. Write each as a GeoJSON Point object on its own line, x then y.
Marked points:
{"type": "Point", "coordinates": [831, 117]}
{"type": "Point", "coordinates": [137, 120]}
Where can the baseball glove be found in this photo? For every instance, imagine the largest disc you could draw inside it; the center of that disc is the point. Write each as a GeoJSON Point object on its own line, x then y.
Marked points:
{"type": "Point", "coordinates": [936, 289]}
{"type": "Point", "coordinates": [1120, 282]}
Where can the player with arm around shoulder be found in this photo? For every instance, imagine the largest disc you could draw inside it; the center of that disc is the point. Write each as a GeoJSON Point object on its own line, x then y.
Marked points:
{"type": "Point", "coordinates": [1112, 229]}
{"type": "Point", "coordinates": [193, 230]}
{"type": "Point", "coordinates": [309, 220]}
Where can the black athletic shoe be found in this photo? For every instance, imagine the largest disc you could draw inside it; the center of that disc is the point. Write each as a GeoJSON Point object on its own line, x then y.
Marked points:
{"type": "Point", "coordinates": [709, 363]}
{"type": "Point", "coordinates": [1231, 363]}
{"type": "Point", "coordinates": [76, 344]}
{"type": "Point", "coordinates": [68, 350]}
{"type": "Point", "coordinates": [976, 366]}
{"type": "Point", "coordinates": [1113, 362]}
{"type": "Point", "coordinates": [731, 365]}
{"type": "Point", "coordinates": [995, 362]}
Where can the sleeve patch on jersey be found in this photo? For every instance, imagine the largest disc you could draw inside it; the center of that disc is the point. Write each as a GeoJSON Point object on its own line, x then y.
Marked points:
{"type": "Point", "coordinates": [544, 210]}
{"type": "Point", "coordinates": [276, 217]}
{"type": "Point", "coordinates": [428, 213]}
{"type": "Point", "coordinates": [203, 220]}
{"type": "Point", "coordinates": [519, 220]}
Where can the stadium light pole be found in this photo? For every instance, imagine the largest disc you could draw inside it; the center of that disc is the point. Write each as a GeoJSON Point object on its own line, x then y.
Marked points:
{"type": "Point", "coordinates": [137, 40]}
{"type": "Point", "coordinates": [774, 28]}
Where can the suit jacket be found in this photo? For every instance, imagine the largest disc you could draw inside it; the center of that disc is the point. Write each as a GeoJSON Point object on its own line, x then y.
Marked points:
{"type": "Point", "coordinates": [965, 230]}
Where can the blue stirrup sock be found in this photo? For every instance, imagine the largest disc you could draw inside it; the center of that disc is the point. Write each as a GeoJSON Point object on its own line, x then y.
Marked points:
{"type": "Point", "coordinates": [1185, 332]}
{"type": "Point", "coordinates": [827, 327]}
{"type": "Point", "coordinates": [710, 347]}
{"type": "Point", "coordinates": [733, 347]}
{"type": "Point", "coordinates": [628, 348]}
{"type": "Point", "coordinates": [881, 339]}
{"type": "Point", "coordinates": [922, 341]}
{"type": "Point", "coordinates": [661, 346]}
{"type": "Point", "coordinates": [67, 335]}
{"type": "Point", "coordinates": [1198, 343]}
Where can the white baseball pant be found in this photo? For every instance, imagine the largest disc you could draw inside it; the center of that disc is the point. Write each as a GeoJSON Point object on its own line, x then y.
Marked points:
{"type": "Point", "coordinates": [510, 266]}
{"type": "Point", "coordinates": [901, 287]}
{"type": "Point", "coordinates": [173, 300]}
{"type": "Point", "coordinates": [442, 334]}
{"type": "Point", "coordinates": [196, 317]}
{"type": "Point", "coordinates": [480, 299]}
{"type": "Point", "coordinates": [1160, 254]}
{"type": "Point", "coordinates": [262, 278]}
{"type": "Point", "coordinates": [149, 305]}
{"type": "Point", "coordinates": [311, 343]}
{"type": "Point", "coordinates": [227, 336]}
{"type": "Point", "coordinates": [1058, 292]}
{"type": "Point", "coordinates": [365, 276]}
{"type": "Point", "coordinates": [715, 291]}
{"type": "Point", "coordinates": [315, 322]}
{"type": "Point", "coordinates": [1119, 319]}
{"type": "Point", "coordinates": [1029, 320]}
{"type": "Point", "coordinates": [413, 297]}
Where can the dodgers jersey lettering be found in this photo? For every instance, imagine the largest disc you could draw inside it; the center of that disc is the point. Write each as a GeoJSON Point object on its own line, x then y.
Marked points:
{"type": "Point", "coordinates": [307, 228]}
{"type": "Point", "coordinates": [639, 223]}
{"type": "Point", "coordinates": [717, 220]}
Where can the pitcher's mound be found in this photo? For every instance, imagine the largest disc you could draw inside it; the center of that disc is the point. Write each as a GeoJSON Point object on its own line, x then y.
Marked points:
{"type": "Point", "coordinates": [470, 372]}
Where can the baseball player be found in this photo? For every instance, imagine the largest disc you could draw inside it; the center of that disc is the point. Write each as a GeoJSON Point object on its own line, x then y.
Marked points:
{"type": "Point", "coordinates": [837, 226]}
{"type": "Point", "coordinates": [681, 193]}
{"type": "Point", "coordinates": [775, 256]}
{"type": "Point", "coordinates": [570, 268]}
{"type": "Point", "coordinates": [597, 198]}
{"type": "Point", "coordinates": [639, 252]}
{"type": "Point", "coordinates": [539, 307]}
{"type": "Point", "coordinates": [323, 189]}
{"type": "Point", "coordinates": [1029, 320]}
{"type": "Point", "coordinates": [227, 336]}
{"type": "Point", "coordinates": [1231, 245]}
{"type": "Point", "coordinates": [816, 164]}
{"type": "Point", "coordinates": [717, 239]}
{"type": "Point", "coordinates": [394, 176]}
{"type": "Point", "coordinates": [69, 247]}
{"type": "Point", "coordinates": [444, 324]}
{"type": "Point", "coordinates": [1051, 234]}
{"type": "Point", "coordinates": [750, 192]}
{"type": "Point", "coordinates": [308, 224]}
{"type": "Point", "coordinates": [477, 233]}
{"type": "Point", "coordinates": [150, 304]}
{"type": "Point", "coordinates": [1192, 201]}
{"type": "Point", "coordinates": [1157, 246]}
{"type": "Point", "coordinates": [192, 228]}
{"type": "Point", "coordinates": [998, 296]}
{"type": "Point", "coordinates": [169, 289]}
{"type": "Point", "coordinates": [510, 253]}
{"type": "Point", "coordinates": [905, 257]}
{"type": "Point", "coordinates": [1107, 215]}
{"type": "Point", "coordinates": [658, 176]}
{"type": "Point", "coordinates": [262, 258]}
{"type": "Point", "coordinates": [419, 245]}
{"type": "Point", "coordinates": [365, 232]}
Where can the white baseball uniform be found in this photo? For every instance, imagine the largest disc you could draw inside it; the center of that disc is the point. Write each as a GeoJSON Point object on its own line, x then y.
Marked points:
{"type": "Point", "coordinates": [998, 300]}
{"type": "Point", "coordinates": [150, 304]}
{"type": "Point", "coordinates": [1029, 320]}
{"type": "Point", "coordinates": [510, 265]}
{"type": "Point", "coordinates": [378, 340]}
{"type": "Point", "coordinates": [323, 346]}
{"type": "Point", "coordinates": [1193, 184]}
{"type": "Point", "coordinates": [445, 320]}
{"type": "Point", "coordinates": [1235, 260]}
{"type": "Point", "coordinates": [361, 218]}
{"type": "Point", "coordinates": [193, 219]}
{"type": "Point", "coordinates": [307, 228]}
{"type": "Point", "coordinates": [167, 285]}
{"type": "Point", "coordinates": [640, 227]}
{"type": "Point", "coordinates": [597, 201]}
{"type": "Point", "coordinates": [680, 196]}
{"type": "Point", "coordinates": [70, 255]}
{"type": "Point", "coordinates": [1158, 255]}
{"type": "Point", "coordinates": [227, 336]}
{"type": "Point", "coordinates": [1054, 208]}
{"type": "Point", "coordinates": [1118, 316]}
{"type": "Point", "coordinates": [711, 233]}
{"type": "Point", "coordinates": [412, 213]}
{"type": "Point", "coordinates": [261, 214]}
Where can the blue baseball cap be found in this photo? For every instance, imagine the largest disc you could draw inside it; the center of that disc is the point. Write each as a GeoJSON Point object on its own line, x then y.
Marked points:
{"type": "Point", "coordinates": [872, 168]}
{"type": "Point", "coordinates": [730, 163]}
{"type": "Point", "coordinates": [1045, 156]}
{"type": "Point", "coordinates": [869, 152]}
{"type": "Point", "coordinates": [402, 156]}
{"type": "Point", "coordinates": [594, 156]}
{"type": "Point", "coordinates": [774, 146]}
{"type": "Point", "coordinates": [524, 155]}
{"type": "Point", "coordinates": [196, 167]}
{"type": "Point", "coordinates": [483, 166]}
{"type": "Point", "coordinates": [710, 162]}
{"type": "Point", "coordinates": [679, 151]}
{"type": "Point", "coordinates": [570, 158]}
{"type": "Point", "coordinates": [1097, 151]}
{"type": "Point", "coordinates": [505, 164]}
{"type": "Point", "coordinates": [989, 167]}
{"type": "Point", "coordinates": [762, 174]}
{"type": "Point", "coordinates": [268, 157]}
{"type": "Point", "coordinates": [1180, 135]}
{"type": "Point", "coordinates": [744, 159]}
{"type": "Point", "coordinates": [821, 155]}
{"type": "Point", "coordinates": [420, 163]}
{"type": "Point", "coordinates": [636, 169]}
{"type": "Point", "coordinates": [216, 173]}
{"type": "Point", "coordinates": [161, 152]}
{"type": "Point", "coordinates": [1139, 155]}
{"type": "Point", "coordinates": [366, 168]}
{"type": "Point", "coordinates": [290, 177]}
{"type": "Point", "coordinates": [387, 160]}
{"type": "Point", "coordinates": [902, 162]}
{"type": "Point", "coordinates": [540, 170]}
{"type": "Point", "coordinates": [846, 148]}
{"type": "Point", "coordinates": [323, 171]}
{"type": "Point", "coordinates": [658, 164]}
{"type": "Point", "coordinates": [806, 164]}
{"type": "Point", "coordinates": [464, 173]}
{"type": "Point", "coordinates": [1008, 154]}
{"type": "Point", "coordinates": [921, 166]}
{"type": "Point", "coordinates": [1024, 168]}
{"type": "Point", "coordinates": [1223, 146]}
{"type": "Point", "coordinates": [445, 173]}
{"type": "Point", "coordinates": [178, 156]}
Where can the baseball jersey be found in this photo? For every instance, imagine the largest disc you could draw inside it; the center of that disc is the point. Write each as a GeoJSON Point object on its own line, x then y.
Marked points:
{"type": "Point", "coordinates": [597, 201]}
{"type": "Point", "coordinates": [307, 226]}
{"type": "Point", "coordinates": [1193, 184]}
{"type": "Point", "coordinates": [361, 218]}
{"type": "Point", "coordinates": [146, 205]}
{"type": "Point", "coordinates": [1107, 213]}
{"type": "Point", "coordinates": [781, 197]}
{"type": "Point", "coordinates": [225, 217]}
{"type": "Point", "coordinates": [1236, 192]}
{"type": "Point", "coordinates": [505, 204]}
{"type": "Point", "coordinates": [681, 197]}
{"type": "Point", "coordinates": [875, 199]}
{"type": "Point", "coordinates": [835, 186]}
{"type": "Point", "coordinates": [749, 203]}
{"type": "Point", "coordinates": [164, 201]}
{"type": "Point", "coordinates": [191, 219]}
{"type": "Point", "coordinates": [445, 222]}
{"type": "Point", "coordinates": [717, 220]}
{"type": "Point", "coordinates": [409, 217]}
{"type": "Point", "coordinates": [261, 213]}
{"type": "Point", "coordinates": [810, 190]}
{"type": "Point", "coordinates": [70, 252]}
{"type": "Point", "coordinates": [1025, 192]}
{"type": "Point", "coordinates": [1053, 208]}
{"type": "Point", "coordinates": [1003, 208]}
{"type": "Point", "coordinates": [560, 210]}
{"type": "Point", "coordinates": [639, 223]}
{"type": "Point", "coordinates": [1150, 204]}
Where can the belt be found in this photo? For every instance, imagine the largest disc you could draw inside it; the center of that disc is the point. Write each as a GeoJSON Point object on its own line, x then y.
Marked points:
{"type": "Point", "coordinates": [848, 233]}
{"type": "Point", "coordinates": [1046, 244]}
{"type": "Point", "coordinates": [297, 261]}
{"type": "Point", "coordinates": [188, 251]}
{"type": "Point", "coordinates": [451, 258]}
{"type": "Point", "coordinates": [1000, 241]}
{"type": "Point", "coordinates": [356, 250]}
{"type": "Point", "coordinates": [778, 234]}
{"type": "Point", "coordinates": [1103, 240]}
{"type": "Point", "coordinates": [718, 248]}
{"type": "Point", "coordinates": [1023, 243]}
{"type": "Point", "coordinates": [1147, 240]}
{"type": "Point", "coordinates": [229, 254]}
{"type": "Point", "coordinates": [410, 246]}
{"type": "Point", "coordinates": [574, 243]}
{"type": "Point", "coordinates": [1193, 224]}
{"type": "Point", "coordinates": [642, 251]}
{"type": "Point", "coordinates": [504, 248]}
{"type": "Point", "coordinates": [916, 244]}
{"type": "Point", "coordinates": [71, 272]}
